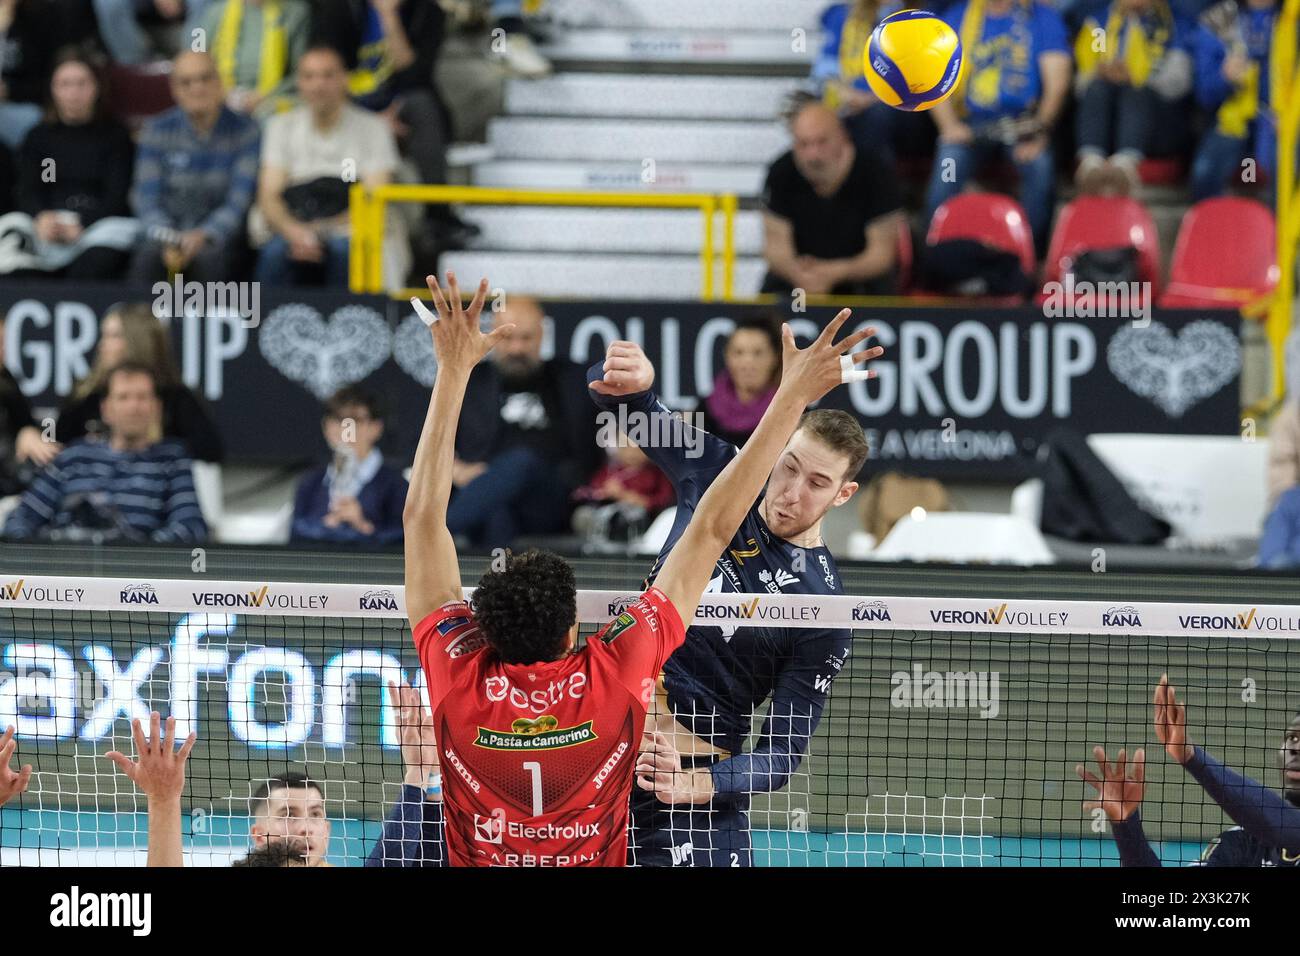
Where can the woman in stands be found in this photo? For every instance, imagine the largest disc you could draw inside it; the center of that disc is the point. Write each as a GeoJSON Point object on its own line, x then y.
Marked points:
{"type": "Point", "coordinates": [745, 386]}
{"type": "Point", "coordinates": [133, 333]}
{"type": "Point", "coordinates": [74, 174]}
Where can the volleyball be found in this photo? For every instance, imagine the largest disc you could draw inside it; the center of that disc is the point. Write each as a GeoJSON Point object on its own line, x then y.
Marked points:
{"type": "Point", "coordinates": [913, 60]}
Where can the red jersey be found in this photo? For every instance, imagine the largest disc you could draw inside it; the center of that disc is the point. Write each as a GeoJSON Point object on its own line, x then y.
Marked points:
{"type": "Point", "coordinates": [538, 759]}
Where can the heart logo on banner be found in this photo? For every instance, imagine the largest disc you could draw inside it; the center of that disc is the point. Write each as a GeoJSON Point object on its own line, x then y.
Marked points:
{"type": "Point", "coordinates": [324, 356]}
{"type": "Point", "coordinates": [413, 350]}
{"type": "Point", "coordinates": [1175, 372]}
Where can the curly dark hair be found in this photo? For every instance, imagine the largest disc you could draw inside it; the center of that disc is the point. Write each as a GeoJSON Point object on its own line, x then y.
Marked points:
{"type": "Point", "coordinates": [525, 611]}
{"type": "Point", "coordinates": [276, 854]}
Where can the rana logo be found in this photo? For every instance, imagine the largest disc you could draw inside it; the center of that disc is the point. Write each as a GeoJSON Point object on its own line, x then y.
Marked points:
{"type": "Point", "coordinates": [538, 733]}
{"type": "Point", "coordinates": [381, 600]}
{"type": "Point", "coordinates": [139, 594]}
{"type": "Point", "coordinates": [1126, 616]}
{"type": "Point", "coordinates": [872, 611]}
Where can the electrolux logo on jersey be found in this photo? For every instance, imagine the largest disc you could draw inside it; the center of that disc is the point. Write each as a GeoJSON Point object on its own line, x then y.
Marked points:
{"type": "Point", "coordinates": [1126, 616]}
{"type": "Point", "coordinates": [20, 590]}
{"type": "Point", "coordinates": [1002, 616]}
{"type": "Point", "coordinates": [379, 600]}
{"type": "Point", "coordinates": [138, 594]}
{"type": "Point", "coordinates": [263, 597]}
{"type": "Point", "coordinates": [491, 829]}
{"type": "Point", "coordinates": [499, 688]}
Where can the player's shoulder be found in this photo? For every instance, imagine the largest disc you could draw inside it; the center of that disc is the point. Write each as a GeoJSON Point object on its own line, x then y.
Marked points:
{"type": "Point", "coordinates": [453, 628]}
{"type": "Point", "coordinates": [1233, 847]}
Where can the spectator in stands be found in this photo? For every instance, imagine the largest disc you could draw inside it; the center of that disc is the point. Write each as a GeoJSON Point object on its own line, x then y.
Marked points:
{"type": "Point", "coordinates": [838, 76]}
{"type": "Point", "coordinates": [526, 438]}
{"type": "Point", "coordinates": [134, 486]}
{"type": "Point", "coordinates": [289, 810]}
{"type": "Point", "coordinates": [1017, 78]}
{"type": "Point", "coordinates": [131, 333]}
{"type": "Point", "coordinates": [195, 178]}
{"type": "Point", "coordinates": [22, 444]}
{"type": "Point", "coordinates": [390, 47]}
{"type": "Point", "coordinates": [356, 498]}
{"type": "Point", "coordinates": [1131, 91]}
{"type": "Point", "coordinates": [257, 45]}
{"type": "Point", "coordinates": [28, 37]}
{"type": "Point", "coordinates": [412, 834]}
{"type": "Point", "coordinates": [831, 212]}
{"type": "Point", "coordinates": [310, 158]}
{"type": "Point", "coordinates": [74, 173]}
{"type": "Point", "coordinates": [1233, 51]}
{"type": "Point", "coordinates": [137, 31]}
{"type": "Point", "coordinates": [744, 387]}
{"type": "Point", "coordinates": [622, 498]}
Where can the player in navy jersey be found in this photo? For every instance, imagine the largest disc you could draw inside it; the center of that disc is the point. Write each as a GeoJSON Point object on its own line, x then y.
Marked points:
{"type": "Point", "coordinates": [1268, 825]}
{"type": "Point", "coordinates": [538, 740]}
{"type": "Point", "coordinates": [694, 781]}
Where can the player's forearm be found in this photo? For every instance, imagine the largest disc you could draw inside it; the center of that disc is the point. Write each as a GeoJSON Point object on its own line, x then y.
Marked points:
{"type": "Point", "coordinates": [430, 484]}
{"type": "Point", "coordinates": [1259, 811]}
{"type": "Point", "coordinates": [165, 833]}
{"type": "Point", "coordinates": [1134, 850]}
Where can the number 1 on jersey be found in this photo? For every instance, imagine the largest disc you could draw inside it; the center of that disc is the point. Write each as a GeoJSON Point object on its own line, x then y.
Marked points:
{"type": "Point", "coordinates": [535, 771]}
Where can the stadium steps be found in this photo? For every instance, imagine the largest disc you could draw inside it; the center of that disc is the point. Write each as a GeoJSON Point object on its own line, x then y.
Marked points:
{"type": "Point", "coordinates": [607, 139]}
{"type": "Point", "coordinates": [644, 231]}
{"type": "Point", "coordinates": [631, 276]}
{"type": "Point", "coordinates": [745, 180]}
{"type": "Point", "coordinates": [641, 96]}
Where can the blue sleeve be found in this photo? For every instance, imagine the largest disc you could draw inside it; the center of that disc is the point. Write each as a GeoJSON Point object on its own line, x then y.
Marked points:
{"type": "Point", "coordinates": [412, 834]}
{"type": "Point", "coordinates": [146, 193]}
{"type": "Point", "coordinates": [306, 523]}
{"type": "Point", "coordinates": [1134, 850]}
{"type": "Point", "coordinates": [184, 519]}
{"type": "Point", "coordinates": [827, 65]}
{"type": "Point", "coordinates": [796, 708]}
{"type": "Point", "coordinates": [1277, 545]}
{"type": "Point", "coordinates": [38, 505]}
{"type": "Point", "coordinates": [688, 450]}
{"type": "Point", "coordinates": [1261, 812]}
{"type": "Point", "coordinates": [1051, 35]}
{"type": "Point", "coordinates": [1208, 54]}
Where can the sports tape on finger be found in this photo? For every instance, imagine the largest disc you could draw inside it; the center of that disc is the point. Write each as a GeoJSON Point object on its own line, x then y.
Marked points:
{"type": "Point", "coordinates": [422, 310]}
{"type": "Point", "coordinates": [849, 374]}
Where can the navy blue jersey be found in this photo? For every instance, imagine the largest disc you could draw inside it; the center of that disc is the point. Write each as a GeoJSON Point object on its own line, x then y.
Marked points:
{"type": "Point", "coordinates": [722, 674]}
{"type": "Point", "coordinates": [1268, 831]}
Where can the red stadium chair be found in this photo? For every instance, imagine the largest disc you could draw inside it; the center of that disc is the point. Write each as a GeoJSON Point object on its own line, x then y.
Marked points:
{"type": "Point", "coordinates": [1225, 255]}
{"type": "Point", "coordinates": [991, 218]}
{"type": "Point", "coordinates": [1162, 172]}
{"type": "Point", "coordinates": [139, 92]}
{"type": "Point", "coordinates": [996, 220]}
{"type": "Point", "coordinates": [1103, 222]}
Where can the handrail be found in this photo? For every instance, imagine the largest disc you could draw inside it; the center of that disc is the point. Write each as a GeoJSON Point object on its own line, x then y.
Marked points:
{"type": "Point", "coordinates": [368, 206]}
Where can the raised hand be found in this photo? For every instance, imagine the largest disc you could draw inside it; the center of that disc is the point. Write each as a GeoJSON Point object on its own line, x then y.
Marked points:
{"type": "Point", "coordinates": [159, 769]}
{"type": "Point", "coordinates": [814, 371]}
{"type": "Point", "coordinates": [458, 341]}
{"type": "Point", "coordinates": [627, 370]}
{"type": "Point", "coordinates": [12, 782]}
{"type": "Point", "coordinates": [1171, 722]}
{"type": "Point", "coordinates": [1120, 792]}
{"type": "Point", "coordinates": [414, 733]}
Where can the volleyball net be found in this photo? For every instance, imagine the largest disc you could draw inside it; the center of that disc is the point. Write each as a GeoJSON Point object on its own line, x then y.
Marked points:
{"type": "Point", "coordinates": [949, 737]}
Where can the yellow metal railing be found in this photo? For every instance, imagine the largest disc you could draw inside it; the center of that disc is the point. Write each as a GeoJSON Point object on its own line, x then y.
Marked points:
{"type": "Point", "coordinates": [369, 205]}
{"type": "Point", "coordinates": [1287, 98]}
